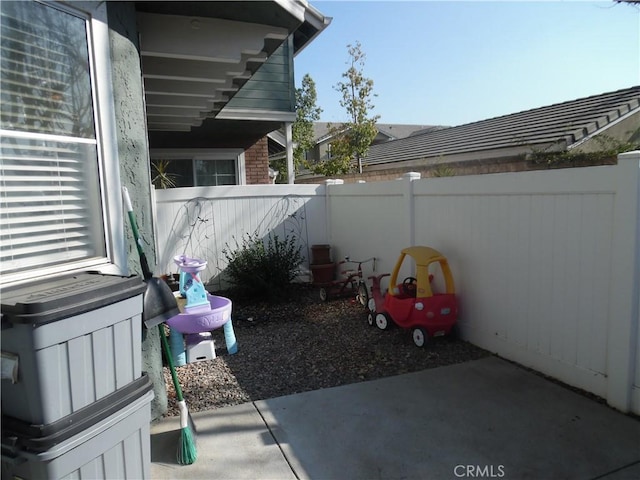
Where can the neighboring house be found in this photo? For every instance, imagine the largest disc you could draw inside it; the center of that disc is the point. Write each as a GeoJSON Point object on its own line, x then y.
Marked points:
{"type": "Point", "coordinates": [507, 143]}
{"type": "Point", "coordinates": [386, 132]}
{"type": "Point", "coordinates": [88, 88]}
{"type": "Point", "coordinates": [323, 138]}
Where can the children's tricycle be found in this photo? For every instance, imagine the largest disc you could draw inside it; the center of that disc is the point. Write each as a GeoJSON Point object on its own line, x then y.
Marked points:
{"type": "Point", "coordinates": [412, 303]}
{"type": "Point", "coordinates": [351, 282]}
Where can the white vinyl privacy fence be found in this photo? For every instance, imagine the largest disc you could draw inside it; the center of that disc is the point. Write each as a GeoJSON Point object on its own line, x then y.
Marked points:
{"type": "Point", "coordinates": [546, 263]}
{"type": "Point", "coordinates": [201, 222]}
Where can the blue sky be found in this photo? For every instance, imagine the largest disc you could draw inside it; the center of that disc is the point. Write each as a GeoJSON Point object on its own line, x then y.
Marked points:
{"type": "Point", "coordinates": [451, 62]}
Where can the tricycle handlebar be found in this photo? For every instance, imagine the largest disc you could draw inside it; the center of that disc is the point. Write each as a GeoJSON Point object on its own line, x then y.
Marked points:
{"type": "Point", "coordinates": [347, 259]}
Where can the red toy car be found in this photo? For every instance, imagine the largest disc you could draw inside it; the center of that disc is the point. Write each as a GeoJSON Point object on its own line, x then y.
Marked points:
{"type": "Point", "coordinates": [412, 304]}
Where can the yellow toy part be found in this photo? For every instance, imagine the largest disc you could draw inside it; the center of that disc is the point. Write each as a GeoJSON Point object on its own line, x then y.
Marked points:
{"type": "Point", "coordinates": [423, 257]}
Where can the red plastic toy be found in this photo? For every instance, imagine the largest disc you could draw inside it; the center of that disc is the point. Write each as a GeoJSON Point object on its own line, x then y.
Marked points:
{"type": "Point", "coordinates": [351, 282]}
{"type": "Point", "coordinates": [412, 304]}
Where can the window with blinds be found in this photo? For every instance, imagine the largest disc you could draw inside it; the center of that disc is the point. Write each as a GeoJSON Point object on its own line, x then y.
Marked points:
{"type": "Point", "coordinates": [50, 202]}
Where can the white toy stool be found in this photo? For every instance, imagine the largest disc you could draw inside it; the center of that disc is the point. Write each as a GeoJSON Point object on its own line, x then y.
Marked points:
{"type": "Point", "coordinates": [199, 347]}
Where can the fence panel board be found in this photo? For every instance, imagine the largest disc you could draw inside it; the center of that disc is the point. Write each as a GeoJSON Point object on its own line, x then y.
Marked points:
{"type": "Point", "coordinates": [524, 254]}
{"type": "Point", "coordinates": [204, 221]}
{"type": "Point", "coordinates": [367, 220]}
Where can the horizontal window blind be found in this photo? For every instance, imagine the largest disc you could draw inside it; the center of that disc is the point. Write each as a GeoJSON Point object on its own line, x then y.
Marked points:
{"type": "Point", "coordinates": [50, 208]}
{"type": "Point", "coordinates": [45, 85]}
{"type": "Point", "coordinates": [48, 190]}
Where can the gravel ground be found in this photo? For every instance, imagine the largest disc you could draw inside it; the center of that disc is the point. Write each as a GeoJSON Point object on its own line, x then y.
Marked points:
{"type": "Point", "coordinates": [301, 345]}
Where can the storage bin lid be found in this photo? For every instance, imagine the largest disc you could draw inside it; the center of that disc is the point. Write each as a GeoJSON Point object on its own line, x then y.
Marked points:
{"type": "Point", "coordinates": [59, 297]}
{"type": "Point", "coordinates": [22, 437]}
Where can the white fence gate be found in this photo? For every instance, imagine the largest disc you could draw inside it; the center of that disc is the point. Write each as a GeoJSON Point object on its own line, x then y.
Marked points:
{"type": "Point", "coordinates": [546, 263]}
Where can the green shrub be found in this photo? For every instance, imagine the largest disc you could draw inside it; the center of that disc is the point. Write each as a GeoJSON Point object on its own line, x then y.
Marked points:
{"type": "Point", "coordinates": [262, 268]}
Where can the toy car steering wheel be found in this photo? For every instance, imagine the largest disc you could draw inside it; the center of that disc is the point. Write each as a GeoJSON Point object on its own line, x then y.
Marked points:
{"type": "Point", "coordinates": [409, 286]}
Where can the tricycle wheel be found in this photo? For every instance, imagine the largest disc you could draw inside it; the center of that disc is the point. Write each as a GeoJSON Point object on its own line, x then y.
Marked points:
{"type": "Point", "coordinates": [363, 295]}
{"type": "Point", "coordinates": [324, 294]}
{"type": "Point", "coordinates": [419, 335]}
{"type": "Point", "coordinates": [371, 318]}
{"type": "Point", "coordinates": [372, 305]}
{"type": "Point", "coordinates": [383, 321]}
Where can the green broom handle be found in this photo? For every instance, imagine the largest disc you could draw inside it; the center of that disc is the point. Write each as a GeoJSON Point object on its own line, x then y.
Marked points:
{"type": "Point", "coordinates": [146, 271]}
{"type": "Point", "coordinates": [172, 368]}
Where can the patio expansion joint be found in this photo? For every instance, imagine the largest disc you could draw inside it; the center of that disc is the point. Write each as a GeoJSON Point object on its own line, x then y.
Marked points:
{"type": "Point", "coordinates": [282, 452]}
{"type": "Point", "coordinates": [616, 470]}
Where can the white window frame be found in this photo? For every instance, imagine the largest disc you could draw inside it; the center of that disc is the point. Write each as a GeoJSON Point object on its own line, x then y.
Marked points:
{"type": "Point", "coordinates": [194, 154]}
{"type": "Point", "coordinates": [115, 261]}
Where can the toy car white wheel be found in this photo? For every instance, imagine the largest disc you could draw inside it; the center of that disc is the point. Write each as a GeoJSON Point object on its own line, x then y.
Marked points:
{"type": "Point", "coordinates": [419, 337]}
{"type": "Point", "coordinates": [363, 295]}
{"type": "Point", "coordinates": [372, 305]}
{"type": "Point", "coordinates": [324, 295]}
{"type": "Point", "coordinates": [382, 321]}
{"type": "Point", "coordinates": [371, 318]}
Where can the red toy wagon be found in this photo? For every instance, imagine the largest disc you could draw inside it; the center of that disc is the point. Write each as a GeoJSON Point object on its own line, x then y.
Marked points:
{"type": "Point", "coordinates": [413, 304]}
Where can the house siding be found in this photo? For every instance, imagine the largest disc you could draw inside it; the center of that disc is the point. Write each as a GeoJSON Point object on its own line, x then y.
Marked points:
{"type": "Point", "coordinates": [272, 86]}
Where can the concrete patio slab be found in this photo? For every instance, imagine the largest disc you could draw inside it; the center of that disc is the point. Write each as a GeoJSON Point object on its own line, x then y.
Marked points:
{"type": "Point", "coordinates": [482, 419]}
{"type": "Point", "coordinates": [233, 443]}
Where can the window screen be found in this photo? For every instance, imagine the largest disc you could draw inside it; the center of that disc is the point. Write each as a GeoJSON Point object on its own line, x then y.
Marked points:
{"type": "Point", "coordinates": [50, 208]}
{"type": "Point", "coordinates": [215, 172]}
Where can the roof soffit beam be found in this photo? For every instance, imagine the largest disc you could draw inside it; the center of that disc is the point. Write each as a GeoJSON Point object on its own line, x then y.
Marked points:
{"type": "Point", "coordinates": [197, 71]}
{"type": "Point", "coordinates": [206, 39]}
{"type": "Point", "coordinates": [199, 61]}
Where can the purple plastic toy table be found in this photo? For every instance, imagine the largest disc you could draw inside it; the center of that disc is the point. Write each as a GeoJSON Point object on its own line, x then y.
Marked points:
{"type": "Point", "coordinates": [199, 320]}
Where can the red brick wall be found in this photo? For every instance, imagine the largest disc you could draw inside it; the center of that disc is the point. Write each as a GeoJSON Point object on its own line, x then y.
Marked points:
{"type": "Point", "coordinates": [256, 163]}
{"type": "Point", "coordinates": [469, 167]}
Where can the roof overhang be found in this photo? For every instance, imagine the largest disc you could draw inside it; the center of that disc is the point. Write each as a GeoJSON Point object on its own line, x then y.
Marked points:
{"type": "Point", "coordinates": [196, 55]}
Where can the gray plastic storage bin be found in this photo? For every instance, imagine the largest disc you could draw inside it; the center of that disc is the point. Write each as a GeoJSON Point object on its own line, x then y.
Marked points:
{"type": "Point", "coordinates": [68, 342]}
{"type": "Point", "coordinates": [109, 439]}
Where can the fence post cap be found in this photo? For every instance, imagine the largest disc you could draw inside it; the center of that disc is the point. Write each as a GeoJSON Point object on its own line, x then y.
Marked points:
{"type": "Point", "coordinates": [633, 155]}
{"type": "Point", "coordinates": [412, 175]}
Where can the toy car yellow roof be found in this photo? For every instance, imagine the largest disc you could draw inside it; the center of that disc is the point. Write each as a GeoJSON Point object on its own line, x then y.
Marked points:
{"type": "Point", "coordinates": [423, 255]}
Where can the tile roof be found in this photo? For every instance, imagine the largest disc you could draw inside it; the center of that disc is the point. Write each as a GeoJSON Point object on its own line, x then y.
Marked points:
{"type": "Point", "coordinates": [393, 130]}
{"type": "Point", "coordinates": [321, 129]}
{"type": "Point", "coordinates": [564, 124]}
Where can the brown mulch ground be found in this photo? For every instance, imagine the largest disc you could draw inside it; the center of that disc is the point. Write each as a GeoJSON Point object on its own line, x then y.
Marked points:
{"type": "Point", "coordinates": [301, 345]}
